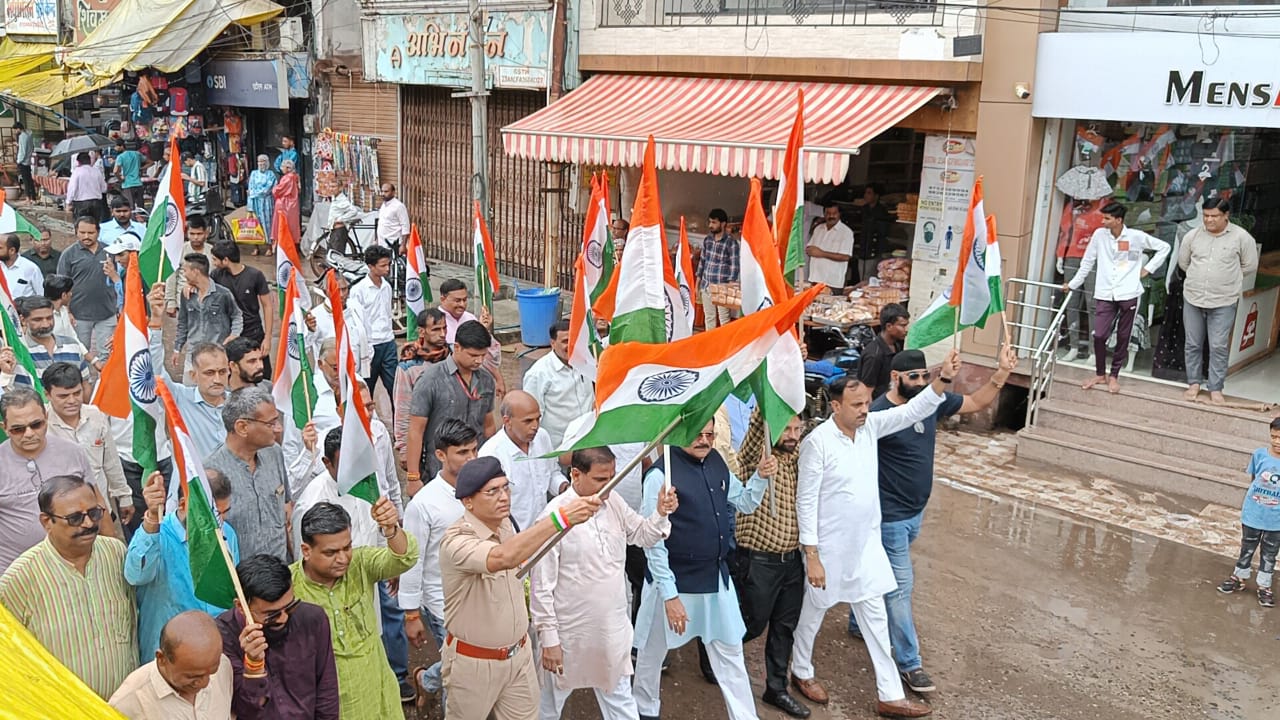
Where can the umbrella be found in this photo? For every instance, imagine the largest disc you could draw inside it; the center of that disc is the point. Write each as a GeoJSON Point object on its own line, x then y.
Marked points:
{"type": "Point", "coordinates": [79, 143]}
{"type": "Point", "coordinates": [1084, 183]}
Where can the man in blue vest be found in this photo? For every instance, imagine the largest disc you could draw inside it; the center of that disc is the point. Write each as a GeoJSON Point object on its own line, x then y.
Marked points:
{"type": "Point", "coordinates": [687, 592]}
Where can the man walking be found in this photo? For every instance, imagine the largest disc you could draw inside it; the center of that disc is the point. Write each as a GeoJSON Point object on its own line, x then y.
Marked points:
{"type": "Point", "coordinates": [23, 276]}
{"type": "Point", "coordinates": [203, 393]}
{"type": "Point", "coordinates": [121, 222]}
{"type": "Point", "coordinates": [186, 676]}
{"type": "Point", "coordinates": [415, 357]}
{"type": "Point", "coordinates": [561, 391]}
{"type": "Point", "coordinates": [43, 254]}
{"type": "Point", "coordinates": [688, 593]}
{"type": "Point", "coordinates": [1118, 252]}
{"type": "Point", "coordinates": [45, 347]}
{"type": "Point", "coordinates": [76, 421]}
{"type": "Point", "coordinates": [208, 314]}
{"type": "Point", "coordinates": [874, 366]}
{"type": "Point", "coordinates": [252, 294]}
{"type": "Point", "coordinates": [176, 285]}
{"type": "Point", "coordinates": [488, 664]}
{"type": "Point", "coordinates": [371, 300]}
{"type": "Point", "coordinates": [520, 445]}
{"type": "Point", "coordinates": [25, 157]}
{"type": "Point", "coordinates": [717, 264]}
{"type": "Point", "coordinates": [768, 540]}
{"type": "Point", "coordinates": [1215, 258]}
{"type": "Point", "coordinates": [838, 511]}
{"type": "Point", "coordinates": [579, 599]}
{"type": "Point", "coordinates": [86, 188]}
{"type": "Point", "coordinates": [906, 482]}
{"type": "Point", "coordinates": [129, 169]}
{"type": "Point", "coordinates": [93, 300]}
{"type": "Point", "coordinates": [393, 219]}
{"type": "Point", "coordinates": [195, 178]}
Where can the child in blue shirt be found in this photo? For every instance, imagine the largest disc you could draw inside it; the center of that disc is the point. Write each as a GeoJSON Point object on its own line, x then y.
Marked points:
{"type": "Point", "coordinates": [1260, 519]}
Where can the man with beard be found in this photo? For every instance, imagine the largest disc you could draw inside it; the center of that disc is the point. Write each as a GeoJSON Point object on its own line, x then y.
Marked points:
{"type": "Point", "coordinates": [93, 299]}
{"type": "Point", "coordinates": [341, 579]}
{"type": "Point", "coordinates": [248, 363]}
{"type": "Point", "coordinates": [415, 357]}
{"type": "Point", "coordinates": [187, 676]}
{"type": "Point", "coordinates": [69, 590]}
{"type": "Point", "coordinates": [201, 399]}
{"type": "Point", "coordinates": [45, 347]}
{"type": "Point", "coordinates": [283, 660]}
{"type": "Point", "coordinates": [252, 294]}
{"type": "Point", "coordinates": [906, 480]}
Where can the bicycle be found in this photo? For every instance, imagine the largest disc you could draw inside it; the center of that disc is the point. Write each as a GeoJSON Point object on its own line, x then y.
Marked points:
{"type": "Point", "coordinates": [343, 252]}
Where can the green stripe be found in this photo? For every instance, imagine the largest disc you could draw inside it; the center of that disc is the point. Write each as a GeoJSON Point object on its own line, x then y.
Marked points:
{"type": "Point", "coordinates": [641, 422]}
{"type": "Point", "coordinates": [144, 439]}
{"type": "Point", "coordinates": [21, 352]}
{"type": "Point", "coordinates": [303, 392]}
{"type": "Point", "coordinates": [484, 285]}
{"type": "Point", "coordinates": [934, 326]}
{"type": "Point", "coordinates": [775, 411]}
{"type": "Point", "coordinates": [209, 572]}
{"type": "Point", "coordinates": [606, 270]}
{"type": "Point", "coordinates": [366, 489]}
{"type": "Point", "coordinates": [153, 261]}
{"type": "Point", "coordinates": [795, 247]}
{"type": "Point", "coordinates": [411, 324]}
{"type": "Point", "coordinates": [646, 325]}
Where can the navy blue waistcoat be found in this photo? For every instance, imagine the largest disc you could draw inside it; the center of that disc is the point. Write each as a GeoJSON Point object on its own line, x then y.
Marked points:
{"type": "Point", "coordinates": [701, 528]}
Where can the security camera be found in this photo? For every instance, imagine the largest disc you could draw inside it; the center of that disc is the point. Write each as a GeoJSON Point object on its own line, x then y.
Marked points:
{"type": "Point", "coordinates": [1022, 90]}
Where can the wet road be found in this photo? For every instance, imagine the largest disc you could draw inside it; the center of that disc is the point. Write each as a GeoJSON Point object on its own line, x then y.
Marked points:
{"type": "Point", "coordinates": [1025, 612]}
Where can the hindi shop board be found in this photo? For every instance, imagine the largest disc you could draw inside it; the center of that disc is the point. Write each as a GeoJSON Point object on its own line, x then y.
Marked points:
{"type": "Point", "coordinates": [31, 18]}
{"type": "Point", "coordinates": [432, 49]}
{"type": "Point", "coordinates": [946, 182]}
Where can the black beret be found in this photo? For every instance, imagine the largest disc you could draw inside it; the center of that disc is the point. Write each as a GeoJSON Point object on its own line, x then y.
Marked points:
{"type": "Point", "coordinates": [476, 474]}
{"type": "Point", "coordinates": [908, 360]}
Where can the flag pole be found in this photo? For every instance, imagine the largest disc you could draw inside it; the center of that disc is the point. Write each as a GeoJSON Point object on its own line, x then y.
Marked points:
{"type": "Point", "coordinates": [666, 466]}
{"type": "Point", "coordinates": [617, 478]}
{"type": "Point", "coordinates": [235, 578]}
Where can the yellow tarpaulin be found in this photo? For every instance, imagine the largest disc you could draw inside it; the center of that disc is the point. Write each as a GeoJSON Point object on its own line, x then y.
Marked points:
{"type": "Point", "coordinates": [48, 88]}
{"type": "Point", "coordinates": [37, 686]}
{"type": "Point", "coordinates": [161, 34]}
{"type": "Point", "coordinates": [21, 58]}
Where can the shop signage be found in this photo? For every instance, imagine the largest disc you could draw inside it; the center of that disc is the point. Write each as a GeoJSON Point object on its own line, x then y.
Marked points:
{"type": "Point", "coordinates": [31, 17]}
{"type": "Point", "coordinates": [247, 83]}
{"type": "Point", "coordinates": [1255, 322]}
{"type": "Point", "coordinates": [90, 14]}
{"type": "Point", "coordinates": [946, 181]}
{"type": "Point", "coordinates": [432, 49]}
{"type": "Point", "coordinates": [1149, 77]}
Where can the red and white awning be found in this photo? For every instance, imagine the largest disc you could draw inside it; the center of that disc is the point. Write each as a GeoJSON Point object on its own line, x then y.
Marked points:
{"type": "Point", "coordinates": [717, 126]}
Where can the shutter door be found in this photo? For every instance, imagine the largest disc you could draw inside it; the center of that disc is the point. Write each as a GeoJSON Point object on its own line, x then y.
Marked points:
{"type": "Point", "coordinates": [367, 108]}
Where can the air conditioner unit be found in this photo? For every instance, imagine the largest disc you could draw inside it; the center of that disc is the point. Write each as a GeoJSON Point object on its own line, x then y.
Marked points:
{"type": "Point", "coordinates": [291, 38]}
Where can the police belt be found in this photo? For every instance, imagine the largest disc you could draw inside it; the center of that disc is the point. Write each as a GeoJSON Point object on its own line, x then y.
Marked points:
{"type": "Point", "coordinates": [484, 653]}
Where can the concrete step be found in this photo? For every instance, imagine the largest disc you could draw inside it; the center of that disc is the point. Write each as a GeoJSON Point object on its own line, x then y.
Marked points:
{"type": "Point", "coordinates": [1137, 466]}
{"type": "Point", "coordinates": [1155, 400]}
{"type": "Point", "coordinates": [1164, 433]}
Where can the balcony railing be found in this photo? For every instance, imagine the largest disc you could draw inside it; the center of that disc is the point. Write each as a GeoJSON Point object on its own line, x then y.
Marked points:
{"type": "Point", "coordinates": [783, 13]}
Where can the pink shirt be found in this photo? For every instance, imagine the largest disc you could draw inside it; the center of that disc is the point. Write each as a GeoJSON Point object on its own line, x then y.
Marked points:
{"type": "Point", "coordinates": [451, 328]}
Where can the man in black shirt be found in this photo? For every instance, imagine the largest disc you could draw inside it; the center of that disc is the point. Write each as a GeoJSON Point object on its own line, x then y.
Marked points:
{"type": "Point", "coordinates": [253, 296]}
{"type": "Point", "coordinates": [906, 481]}
{"type": "Point", "coordinates": [877, 356]}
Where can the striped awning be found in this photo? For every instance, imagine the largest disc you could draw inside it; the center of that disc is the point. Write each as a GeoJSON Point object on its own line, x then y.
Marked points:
{"type": "Point", "coordinates": [716, 126]}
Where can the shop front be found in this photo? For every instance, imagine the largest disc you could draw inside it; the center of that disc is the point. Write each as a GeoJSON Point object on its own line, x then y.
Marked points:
{"type": "Point", "coordinates": [1136, 119]}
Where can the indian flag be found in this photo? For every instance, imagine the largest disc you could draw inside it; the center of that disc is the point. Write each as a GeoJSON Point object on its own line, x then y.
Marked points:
{"type": "Point", "coordinates": [643, 301]}
{"type": "Point", "coordinates": [293, 386]}
{"type": "Point", "coordinates": [643, 388]}
{"type": "Point", "coordinates": [584, 344]}
{"type": "Point", "coordinates": [597, 242]}
{"type": "Point", "coordinates": [340, 334]}
{"type": "Point", "coordinates": [778, 383]}
{"type": "Point", "coordinates": [357, 463]}
{"type": "Point", "coordinates": [975, 295]}
{"type": "Point", "coordinates": [486, 266]}
{"type": "Point", "coordinates": [788, 208]}
{"type": "Point", "coordinates": [288, 263]}
{"type": "Point", "coordinates": [161, 252]}
{"type": "Point", "coordinates": [417, 287]}
{"type": "Point", "coordinates": [211, 563]}
{"type": "Point", "coordinates": [685, 282]}
{"type": "Point", "coordinates": [127, 388]}
{"type": "Point", "coordinates": [12, 221]}
{"type": "Point", "coordinates": [13, 338]}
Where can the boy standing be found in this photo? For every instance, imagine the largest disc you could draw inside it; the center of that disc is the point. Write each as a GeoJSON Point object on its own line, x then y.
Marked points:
{"type": "Point", "coordinates": [1260, 521]}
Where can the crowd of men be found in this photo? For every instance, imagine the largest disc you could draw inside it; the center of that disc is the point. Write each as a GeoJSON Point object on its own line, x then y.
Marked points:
{"type": "Point", "coordinates": [724, 540]}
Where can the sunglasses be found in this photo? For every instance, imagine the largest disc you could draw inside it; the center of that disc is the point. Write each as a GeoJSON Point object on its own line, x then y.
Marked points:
{"type": "Point", "coordinates": [918, 375]}
{"type": "Point", "coordinates": [76, 519]}
{"type": "Point", "coordinates": [36, 425]}
{"type": "Point", "coordinates": [271, 617]}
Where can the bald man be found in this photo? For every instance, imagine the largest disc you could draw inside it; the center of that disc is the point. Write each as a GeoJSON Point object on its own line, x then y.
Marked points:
{"type": "Point", "coordinates": [519, 446]}
{"type": "Point", "coordinates": [190, 677]}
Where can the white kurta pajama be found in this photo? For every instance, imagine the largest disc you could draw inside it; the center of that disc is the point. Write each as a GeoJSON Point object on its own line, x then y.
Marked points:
{"type": "Point", "coordinates": [579, 602]}
{"type": "Point", "coordinates": [838, 510]}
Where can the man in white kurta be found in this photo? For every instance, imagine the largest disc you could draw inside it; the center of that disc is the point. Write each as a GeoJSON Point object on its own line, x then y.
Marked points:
{"type": "Point", "coordinates": [519, 446]}
{"type": "Point", "coordinates": [579, 598]}
{"type": "Point", "coordinates": [838, 510]}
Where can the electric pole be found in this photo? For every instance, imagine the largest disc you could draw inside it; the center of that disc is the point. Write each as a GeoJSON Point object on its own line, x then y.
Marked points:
{"type": "Point", "coordinates": [479, 96]}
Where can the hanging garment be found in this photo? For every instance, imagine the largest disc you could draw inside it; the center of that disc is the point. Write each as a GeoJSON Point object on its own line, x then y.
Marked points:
{"type": "Point", "coordinates": [1084, 183]}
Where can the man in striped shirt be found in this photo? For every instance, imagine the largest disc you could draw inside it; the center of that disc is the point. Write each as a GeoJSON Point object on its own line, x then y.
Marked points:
{"type": "Point", "coordinates": [70, 592]}
{"type": "Point", "coordinates": [45, 347]}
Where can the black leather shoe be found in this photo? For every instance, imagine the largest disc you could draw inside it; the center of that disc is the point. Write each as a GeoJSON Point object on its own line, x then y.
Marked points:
{"type": "Point", "coordinates": [704, 663]}
{"type": "Point", "coordinates": [649, 717]}
{"type": "Point", "coordinates": [787, 704]}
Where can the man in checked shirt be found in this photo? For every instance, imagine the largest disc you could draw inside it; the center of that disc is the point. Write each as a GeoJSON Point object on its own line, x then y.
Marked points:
{"type": "Point", "coordinates": [772, 586]}
{"type": "Point", "coordinates": [717, 264]}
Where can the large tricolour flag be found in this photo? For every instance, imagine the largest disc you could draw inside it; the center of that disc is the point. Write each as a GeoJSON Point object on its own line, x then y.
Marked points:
{"type": "Point", "coordinates": [643, 301]}
{"type": "Point", "coordinates": [288, 263]}
{"type": "Point", "coordinates": [161, 252]}
{"type": "Point", "coordinates": [644, 388]}
{"type": "Point", "coordinates": [357, 474]}
{"type": "Point", "coordinates": [778, 383]}
{"type": "Point", "coordinates": [597, 243]}
{"type": "Point", "coordinates": [293, 386]}
{"type": "Point", "coordinates": [975, 294]}
{"type": "Point", "coordinates": [417, 286]}
{"type": "Point", "coordinates": [127, 388]}
{"type": "Point", "coordinates": [685, 282]}
{"type": "Point", "coordinates": [788, 208]}
{"type": "Point", "coordinates": [486, 264]}
{"type": "Point", "coordinates": [584, 344]}
{"type": "Point", "coordinates": [210, 568]}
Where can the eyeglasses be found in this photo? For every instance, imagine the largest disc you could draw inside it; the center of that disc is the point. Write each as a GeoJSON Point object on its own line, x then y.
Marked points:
{"type": "Point", "coordinates": [271, 617]}
{"type": "Point", "coordinates": [919, 375]}
{"type": "Point", "coordinates": [35, 425]}
{"type": "Point", "coordinates": [274, 422]}
{"type": "Point", "coordinates": [706, 436]}
{"type": "Point", "coordinates": [76, 519]}
{"type": "Point", "coordinates": [496, 491]}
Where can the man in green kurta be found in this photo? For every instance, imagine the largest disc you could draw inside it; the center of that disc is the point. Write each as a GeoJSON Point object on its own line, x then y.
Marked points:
{"type": "Point", "coordinates": [343, 581]}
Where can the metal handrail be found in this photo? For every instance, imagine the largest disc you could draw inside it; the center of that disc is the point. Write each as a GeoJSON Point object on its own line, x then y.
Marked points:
{"type": "Point", "coordinates": [1043, 354]}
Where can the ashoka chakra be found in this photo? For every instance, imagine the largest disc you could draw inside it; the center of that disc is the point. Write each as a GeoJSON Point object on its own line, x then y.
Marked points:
{"type": "Point", "coordinates": [283, 272]}
{"type": "Point", "coordinates": [142, 381]}
{"type": "Point", "coordinates": [413, 290]}
{"type": "Point", "coordinates": [666, 385]}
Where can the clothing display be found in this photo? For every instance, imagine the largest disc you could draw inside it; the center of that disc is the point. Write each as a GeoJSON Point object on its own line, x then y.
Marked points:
{"type": "Point", "coordinates": [346, 163]}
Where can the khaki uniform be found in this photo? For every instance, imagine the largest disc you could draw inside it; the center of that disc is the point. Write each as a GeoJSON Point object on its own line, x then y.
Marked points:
{"type": "Point", "coordinates": [487, 610]}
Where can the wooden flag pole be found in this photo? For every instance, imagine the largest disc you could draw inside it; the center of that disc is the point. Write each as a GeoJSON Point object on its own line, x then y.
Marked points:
{"type": "Point", "coordinates": [609, 486]}
{"type": "Point", "coordinates": [235, 579]}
